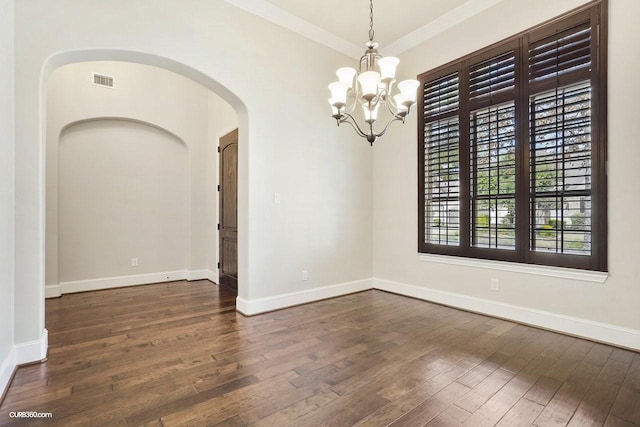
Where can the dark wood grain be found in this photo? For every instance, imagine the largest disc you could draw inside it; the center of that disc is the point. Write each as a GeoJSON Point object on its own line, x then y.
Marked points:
{"type": "Point", "coordinates": [178, 354]}
{"type": "Point", "coordinates": [228, 212]}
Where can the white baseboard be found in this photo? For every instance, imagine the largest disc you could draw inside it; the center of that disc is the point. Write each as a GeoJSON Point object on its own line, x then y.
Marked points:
{"type": "Point", "coordinates": [32, 351]}
{"type": "Point", "coordinates": [6, 370]}
{"type": "Point", "coordinates": [602, 332]}
{"type": "Point", "coordinates": [52, 291]}
{"type": "Point", "coordinates": [213, 276]}
{"type": "Point", "coordinates": [27, 352]}
{"type": "Point", "coordinates": [196, 275]}
{"type": "Point", "coordinates": [262, 305]}
{"type": "Point", "coordinates": [56, 290]}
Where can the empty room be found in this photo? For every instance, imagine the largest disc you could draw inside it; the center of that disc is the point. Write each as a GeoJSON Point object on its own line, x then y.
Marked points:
{"type": "Point", "coordinates": [190, 234]}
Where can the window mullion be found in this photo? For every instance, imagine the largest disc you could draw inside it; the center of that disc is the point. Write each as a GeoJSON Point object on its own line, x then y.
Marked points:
{"type": "Point", "coordinates": [473, 170]}
{"type": "Point", "coordinates": [497, 169]}
{"type": "Point", "coordinates": [466, 219]}
{"type": "Point", "coordinates": [599, 136]}
{"type": "Point", "coordinates": [523, 178]}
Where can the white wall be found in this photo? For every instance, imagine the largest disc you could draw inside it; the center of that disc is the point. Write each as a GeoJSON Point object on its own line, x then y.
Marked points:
{"type": "Point", "coordinates": [167, 107]}
{"type": "Point", "coordinates": [123, 194]}
{"type": "Point", "coordinates": [7, 204]}
{"type": "Point", "coordinates": [614, 303]}
{"type": "Point", "coordinates": [288, 143]}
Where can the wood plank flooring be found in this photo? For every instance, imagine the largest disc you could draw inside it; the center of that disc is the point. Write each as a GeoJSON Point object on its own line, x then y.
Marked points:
{"type": "Point", "coordinates": [177, 353]}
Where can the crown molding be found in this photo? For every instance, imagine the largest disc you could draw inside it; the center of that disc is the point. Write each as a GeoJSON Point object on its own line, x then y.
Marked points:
{"type": "Point", "coordinates": [281, 17]}
{"type": "Point", "coordinates": [438, 25]}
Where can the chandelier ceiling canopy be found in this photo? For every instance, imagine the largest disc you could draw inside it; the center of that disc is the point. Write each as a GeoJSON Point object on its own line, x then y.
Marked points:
{"type": "Point", "coordinates": [371, 88]}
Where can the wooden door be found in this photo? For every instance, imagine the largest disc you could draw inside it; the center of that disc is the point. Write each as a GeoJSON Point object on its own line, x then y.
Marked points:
{"type": "Point", "coordinates": [228, 212]}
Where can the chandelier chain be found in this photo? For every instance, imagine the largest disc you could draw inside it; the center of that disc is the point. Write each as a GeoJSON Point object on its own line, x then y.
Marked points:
{"type": "Point", "coordinates": [371, 32]}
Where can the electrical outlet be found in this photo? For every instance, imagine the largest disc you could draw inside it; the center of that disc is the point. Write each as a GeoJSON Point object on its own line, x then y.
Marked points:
{"type": "Point", "coordinates": [277, 198]}
{"type": "Point", "coordinates": [134, 262]}
{"type": "Point", "coordinates": [495, 285]}
{"type": "Point", "coordinates": [305, 275]}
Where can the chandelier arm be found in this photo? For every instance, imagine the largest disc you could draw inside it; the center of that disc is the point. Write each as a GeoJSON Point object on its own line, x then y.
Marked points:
{"type": "Point", "coordinates": [353, 124]}
{"type": "Point", "coordinates": [351, 108]}
{"type": "Point", "coordinates": [391, 107]}
{"type": "Point", "coordinates": [395, 111]}
{"type": "Point", "coordinates": [395, 119]}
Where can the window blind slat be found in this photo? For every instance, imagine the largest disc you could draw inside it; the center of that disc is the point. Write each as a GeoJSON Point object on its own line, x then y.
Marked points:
{"type": "Point", "coordinates": [441, 95]}
{"type": "Point", "coordinates": [568, 52]}
{"type": "Point", "coordinates": [492, 77]}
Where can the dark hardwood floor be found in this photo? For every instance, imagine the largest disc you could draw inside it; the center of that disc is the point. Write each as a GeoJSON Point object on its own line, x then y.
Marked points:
{"type": "Point", "coordinates": [178, 354]}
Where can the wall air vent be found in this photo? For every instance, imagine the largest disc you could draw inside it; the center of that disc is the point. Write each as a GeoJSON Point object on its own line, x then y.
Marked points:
{"type": "Point", "coordinates": [102, 80]}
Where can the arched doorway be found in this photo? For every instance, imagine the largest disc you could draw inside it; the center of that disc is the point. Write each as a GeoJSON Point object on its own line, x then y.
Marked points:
{"type": "Point", "coordinates": [71, 57]}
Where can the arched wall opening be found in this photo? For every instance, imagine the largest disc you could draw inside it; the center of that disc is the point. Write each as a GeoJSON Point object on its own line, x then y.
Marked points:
{"type": "Point", "coordinates": [62, 59]}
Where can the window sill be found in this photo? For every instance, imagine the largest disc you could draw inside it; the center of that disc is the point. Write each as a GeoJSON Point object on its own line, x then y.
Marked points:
{"type": "Point", "coordinates": [557, 272]}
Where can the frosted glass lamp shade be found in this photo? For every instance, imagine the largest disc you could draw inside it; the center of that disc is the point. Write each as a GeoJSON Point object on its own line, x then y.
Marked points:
{"type": "Point", "coordinates": [400, 103]}
{"type": "Point", "coordinates": [388, 66]}
{"type": "Point", "coordinates": [334, 109]}
{"type": "Point", "coordinates": [346, 75]}
{"type": "Point", "coordinates": [339, 93]}
{"type": "Point", "coordinates": [369, 84]}
{"type": "Point", "coordinates": [409, 90]}
{"type": "Point", "coordinates": [371, 115]}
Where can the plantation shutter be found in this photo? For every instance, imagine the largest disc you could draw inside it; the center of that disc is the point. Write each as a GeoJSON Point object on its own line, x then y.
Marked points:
{"type": "Point", "coordinates": [563, 57]}
{"type": "Point", "coordinates": [561, 144]}
{"type": "Point", "coordinates": [492, 140]}
{"type": "Point", "coordinates": [512, 148]}
{"type": "Point", "coordinates": [442, 162]}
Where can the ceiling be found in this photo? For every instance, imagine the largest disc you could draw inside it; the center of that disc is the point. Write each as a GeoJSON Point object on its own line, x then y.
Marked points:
{"type": "Point", "coordinates": [343, 25]}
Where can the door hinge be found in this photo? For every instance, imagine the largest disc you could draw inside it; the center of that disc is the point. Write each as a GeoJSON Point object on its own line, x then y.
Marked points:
{"type": "Point", "coordinates": [218, 187]}
{"type": "Point", "coordinates": [218, 265]}
{"type": "Point", "coordinates": [218, 148]}
{"type": "Point", "coordinates": [218, 226]}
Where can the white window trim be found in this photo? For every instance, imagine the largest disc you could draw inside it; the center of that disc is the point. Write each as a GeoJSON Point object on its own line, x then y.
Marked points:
{"type": "Point", "coordinates": [539, 270]}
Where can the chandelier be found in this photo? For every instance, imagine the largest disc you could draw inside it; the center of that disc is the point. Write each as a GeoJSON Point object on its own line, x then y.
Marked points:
{"type": "Point", "coordinates": [372, 90]}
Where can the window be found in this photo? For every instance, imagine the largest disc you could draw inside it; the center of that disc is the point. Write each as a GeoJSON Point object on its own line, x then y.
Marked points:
{"type": "Point", "coordinates": [512, 148]}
